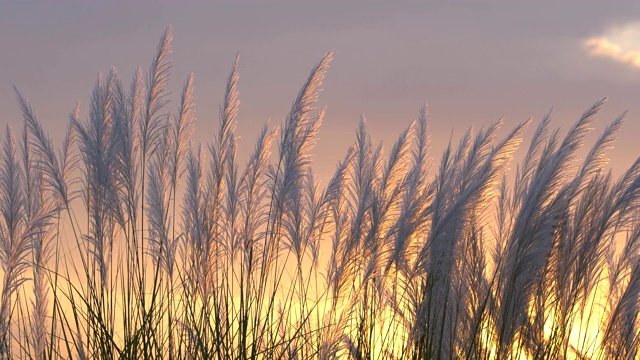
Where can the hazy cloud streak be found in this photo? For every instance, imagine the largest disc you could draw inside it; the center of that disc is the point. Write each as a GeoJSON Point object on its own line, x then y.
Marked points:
{"type": "Point", "coordinates": [619, 44]}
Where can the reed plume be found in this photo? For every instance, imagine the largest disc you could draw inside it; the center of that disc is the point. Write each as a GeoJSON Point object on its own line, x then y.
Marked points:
{"type": "Point", "coordinates": [139, 243]}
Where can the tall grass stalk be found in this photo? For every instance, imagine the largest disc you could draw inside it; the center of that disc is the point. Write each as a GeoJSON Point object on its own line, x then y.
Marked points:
{"type": "Point", "coordinates": [137, 243]}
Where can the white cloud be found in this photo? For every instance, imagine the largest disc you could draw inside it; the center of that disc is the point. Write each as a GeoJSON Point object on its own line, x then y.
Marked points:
{"type": "Point", "coordinates": [620, 44]}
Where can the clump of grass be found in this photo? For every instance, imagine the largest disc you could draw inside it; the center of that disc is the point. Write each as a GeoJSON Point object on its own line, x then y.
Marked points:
{"type": "Point", "coordinates": [137, 243]}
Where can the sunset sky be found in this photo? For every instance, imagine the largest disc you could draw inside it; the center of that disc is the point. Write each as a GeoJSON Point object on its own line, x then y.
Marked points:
{"type": "Point", "coordinates": [470, 61]}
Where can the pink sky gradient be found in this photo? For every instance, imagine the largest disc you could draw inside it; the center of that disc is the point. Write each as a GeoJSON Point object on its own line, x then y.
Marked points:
{"type": "Point", "coordinates": [471, 61]}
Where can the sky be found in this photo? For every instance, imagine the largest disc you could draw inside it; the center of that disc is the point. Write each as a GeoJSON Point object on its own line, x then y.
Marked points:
{"type": "Point", "coordinates": [472, 62]}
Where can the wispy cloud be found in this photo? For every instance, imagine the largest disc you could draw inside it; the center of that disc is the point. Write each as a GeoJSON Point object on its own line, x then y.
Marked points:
{"type": "Point", "coordinates": [621, 44]}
